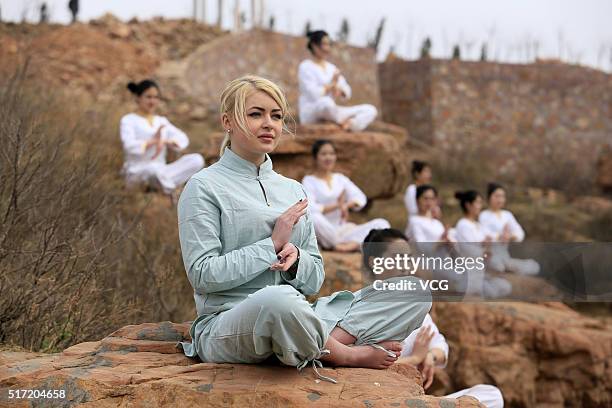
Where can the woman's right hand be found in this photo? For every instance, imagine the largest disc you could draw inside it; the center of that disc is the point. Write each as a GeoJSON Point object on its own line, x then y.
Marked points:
{"type": "Point", "coordinates": [156, 141]}
{"type": "Point", "coordinates": [285, 222]}
{"type": "Point", "coordinates": [421, 343]}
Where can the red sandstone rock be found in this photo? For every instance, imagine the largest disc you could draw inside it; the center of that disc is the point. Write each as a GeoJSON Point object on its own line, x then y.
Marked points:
{"type": "Point", "coordinates": [538, 354]}
{"type": "Point", "coordinates": [139, 366]}
{"type": "Point", "coordinates": [369, 158]}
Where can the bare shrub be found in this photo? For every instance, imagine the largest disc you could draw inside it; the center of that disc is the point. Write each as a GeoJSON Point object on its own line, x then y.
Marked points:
{"type": "Point", "coordinates": [57, 224]}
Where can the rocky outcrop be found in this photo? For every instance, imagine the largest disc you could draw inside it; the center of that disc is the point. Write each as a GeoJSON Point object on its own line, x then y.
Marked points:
{"type": "Point", "coordinates": [140, 366]}
{"type": "Point", "coordinates": [544, 354]}
{"type": "Point", "coordinates": [369, 158]}
{"type": "Point", "coordinates": [275, 56]}
{"type": "Point", "coordinates": [98, 59]}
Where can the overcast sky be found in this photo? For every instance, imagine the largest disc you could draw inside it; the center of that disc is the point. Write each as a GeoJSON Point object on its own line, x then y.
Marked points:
{"type": "Point", "coordinates": [515, 30]}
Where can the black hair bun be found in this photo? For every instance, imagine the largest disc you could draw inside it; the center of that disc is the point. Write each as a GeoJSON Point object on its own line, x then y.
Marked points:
{"type": "Point", "coordinates": [459, 195]}
{"type": "Point", "coordinates": [133, 88]}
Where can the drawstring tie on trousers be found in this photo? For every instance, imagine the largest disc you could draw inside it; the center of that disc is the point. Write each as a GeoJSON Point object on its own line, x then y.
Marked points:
{"type": "Point", "coordinates": [316, 364]}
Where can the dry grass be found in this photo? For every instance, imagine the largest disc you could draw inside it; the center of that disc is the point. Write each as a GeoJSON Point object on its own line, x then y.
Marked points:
{"type": "Point", "coordinates": [79, 256]}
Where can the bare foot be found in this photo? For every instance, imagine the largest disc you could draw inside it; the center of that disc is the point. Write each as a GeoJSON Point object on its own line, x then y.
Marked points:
{"type": "Point", "coordinates": [371, 357]}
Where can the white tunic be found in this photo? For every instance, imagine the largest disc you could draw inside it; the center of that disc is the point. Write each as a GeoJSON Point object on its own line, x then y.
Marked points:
{"type": "Point", "coordinates": [488, 395]}
{"type": "Point", "coordinates": [424, 229]}
{"type": "Point", "coordinates": [410, 200]}
{"type": "Point", "coordinates": [467, 230]}
{"type": "Point", "coordinates": [315, 105]}
{"type": "Point", "coordinates": [437, 341]}
{"type": "Point", "coordinates": [494, 222]}
{"type": "Point", "coordinates": [312, 79]}
{"type": "Point", "coordinates": [140, 165]}
{"type": "Point", "coordinates": [330, 228]}
{"type": "Point", "coordinates": [136, 131]}
{"type": "Point", "coordinates": [321, 194]}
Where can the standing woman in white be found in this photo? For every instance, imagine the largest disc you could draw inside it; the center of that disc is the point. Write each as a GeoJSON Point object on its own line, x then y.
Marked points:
{"type": "Point", "coordinates": [146, 138]}
{"type": "Point", "coordinates": [331, 196]}
{"type": "Point", "coordinates": [322, 85]}
{"type": "Point", "coordinates": [503, 228]}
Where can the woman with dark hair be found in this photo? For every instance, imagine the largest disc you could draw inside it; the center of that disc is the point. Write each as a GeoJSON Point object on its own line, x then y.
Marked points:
{"type": "Point", "coordinates": [421, 174]}
{"type": "Point", "coordinates": [322, 86]}
{"type": "Point", "coordinates": [468, 229]}
{"type": "Point", "coordinates": [422, 226]}
{"type": "Point", "coordinates": [503, 228]}
{"type": "Point", "coordinates": [474, 242]}
{"type": "Point", "coordinates": [332, 195]}
{"type": "Point", "coordinates": [146, 138]}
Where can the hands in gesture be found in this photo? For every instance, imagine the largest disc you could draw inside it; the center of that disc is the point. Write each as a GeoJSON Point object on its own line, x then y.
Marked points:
{"type": "Point", "coordinates": [285, 222]}
{"type": "Point", "coordinates": [156, 141]}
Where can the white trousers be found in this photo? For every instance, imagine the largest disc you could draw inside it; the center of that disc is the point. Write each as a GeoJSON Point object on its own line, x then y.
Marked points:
{"type": "Point", "coordinates": [326, 109]}
{"type": "Point", "coordinates": [488, 395]}
{"type": "Point", "coordinates": [501, 261]}
{"type": "Point", "coordinates": [166, 176]}
{"type": "Point", "coordinates": [330, 235]}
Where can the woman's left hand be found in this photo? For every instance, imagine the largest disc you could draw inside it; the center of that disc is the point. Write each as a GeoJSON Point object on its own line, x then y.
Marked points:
{"type": "Point", "coordinates": [286, 258]}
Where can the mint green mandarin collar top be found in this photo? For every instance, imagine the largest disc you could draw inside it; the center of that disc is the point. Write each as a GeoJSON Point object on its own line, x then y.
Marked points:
{"type": "Point", "coordinates": [226, 216]}
{"type": "Point", "coordinates": [234, 163]}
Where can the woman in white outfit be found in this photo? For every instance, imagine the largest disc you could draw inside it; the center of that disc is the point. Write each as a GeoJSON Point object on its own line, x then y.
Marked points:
{"type": "Point", "coordinates": [503, 228]}
{"type": "Point", "coordinates": [146, 138]}
{"type": "Point", "coordinates": [425, 347]}
{"type": "Point", "coordinates": [322, 85]}
{"type": "Point", "coordinates": [422, 226]}
{"type": "Point", "coordinates": [332, 195]}
{"type": "Point", "coordinates": [421, 174]}
{"type": "Point", "coordinates": [474, 242]}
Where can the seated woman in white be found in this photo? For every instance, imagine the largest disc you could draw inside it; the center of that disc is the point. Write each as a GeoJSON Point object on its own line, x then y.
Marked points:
{"type": "Point", "coordinates": [473, 242]}
{"type": "Point", "coordinates": [422, 226]}
{"type": "Point", "coordinates": [426, 348]}
{"type": "Point", "coordinates": [331, 196]}
{"type": "Point", "coordinates": [503, 228]}
{"type": "Point", "coordinates": [421, 174]}
{"type": "Point", "coordinates": [146, 137]}
{"type": "Point", "coordinates": [321, 85]}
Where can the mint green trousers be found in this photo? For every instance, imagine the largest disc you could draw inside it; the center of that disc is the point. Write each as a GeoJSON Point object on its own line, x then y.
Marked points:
{"type": "Point", "coordinates": [278, 320]}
